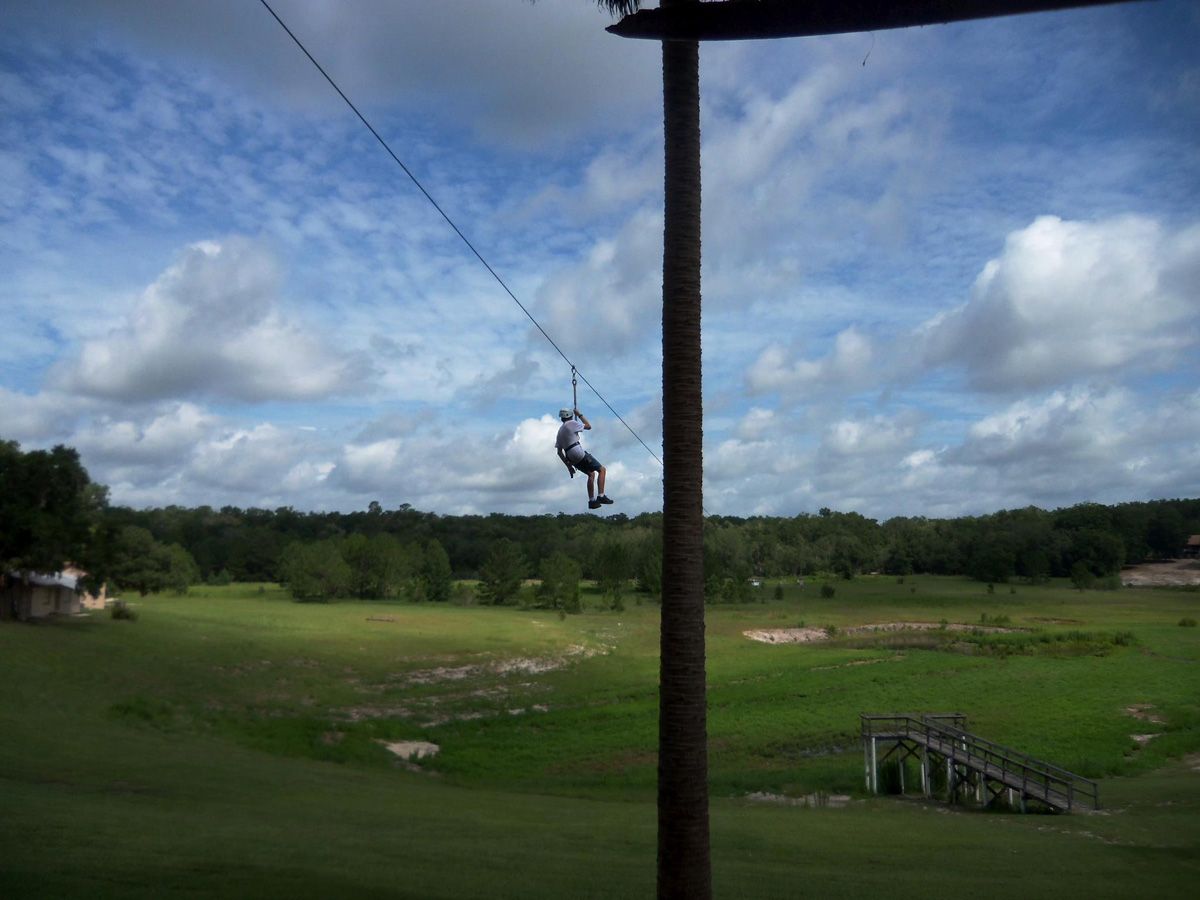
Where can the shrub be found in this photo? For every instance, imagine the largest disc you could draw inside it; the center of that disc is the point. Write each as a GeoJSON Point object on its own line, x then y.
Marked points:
{"type": "Point", "coordinates": [828, 590]}
{"type": "Point", "coordinates": [122, 610]}
{"type": "Point", "coordinates": [1082, 577]}
{"type": "Point", "coordinates": [462, 594]}
{"type": "Point", "coordinates": [779, 592]}
{"type": "Point", "coordinates": [1187, 622]}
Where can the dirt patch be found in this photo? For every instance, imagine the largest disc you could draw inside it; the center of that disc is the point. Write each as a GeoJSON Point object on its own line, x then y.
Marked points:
{"type": "Point", "coordinates": [1172, 573]}
{"type": "Point", "coordinates": [859, 662]}
{"type": "Point", "coordinates": [811, 635]}
{"type": "Point", "coordinates": [1051, 620]}
{"type": "Point", "coordinates": [520, 665]}
{"type": "Point", "coordinates": [410, 750]}
{"type": "Point", "coordinates": [362, 713]}
{"type": "Point", "coordinates": [1143, 739]}
{"type": "Point", "coordinates": [819, 800]}
{"type": "Point", "coordinates": [787, 635]}
{"type": "Point", "coordinates": [1143, 711]}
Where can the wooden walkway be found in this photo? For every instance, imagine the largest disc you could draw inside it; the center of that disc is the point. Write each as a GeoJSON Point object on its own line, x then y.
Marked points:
{"type": "Point", "coordinates": [974, 766]}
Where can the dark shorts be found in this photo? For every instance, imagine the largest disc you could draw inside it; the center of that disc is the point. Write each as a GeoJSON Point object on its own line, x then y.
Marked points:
{"type": "Point", "coordinates": [588, 464]}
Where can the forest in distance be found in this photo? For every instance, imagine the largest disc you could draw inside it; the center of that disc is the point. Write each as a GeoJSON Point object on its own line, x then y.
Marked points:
{"type": "Point", "coordinates": [50, 513]}
{"type": "Point", "coordinates": [1029, 543]}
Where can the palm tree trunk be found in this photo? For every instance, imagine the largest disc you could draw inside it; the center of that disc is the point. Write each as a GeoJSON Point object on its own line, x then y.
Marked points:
{"type": "Point", "coordinates": [684, 869]}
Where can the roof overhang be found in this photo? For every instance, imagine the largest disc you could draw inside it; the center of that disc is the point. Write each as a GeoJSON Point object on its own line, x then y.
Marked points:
{"type": "Point", "coordinates": [741, 20]}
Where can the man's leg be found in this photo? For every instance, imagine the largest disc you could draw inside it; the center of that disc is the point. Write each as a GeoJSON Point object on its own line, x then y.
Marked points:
{"type": "Point", "coordinates": [603, 471]}
{"type": "Point", "coordinates": [592, 484]}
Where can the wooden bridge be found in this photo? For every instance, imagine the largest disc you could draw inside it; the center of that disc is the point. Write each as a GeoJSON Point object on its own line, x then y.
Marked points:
{"type": "Point", "coordinates": [974, 767]}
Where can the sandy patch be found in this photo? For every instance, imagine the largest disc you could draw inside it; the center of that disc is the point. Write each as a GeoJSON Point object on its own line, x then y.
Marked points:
{"type": "Point", "coordinates": [410, 750]}
{"type": "Point", "coordinates": [1143, 739]}
{"type": "Point", "coordinates": [1143, 711]}
{"type": "Point", "coordinates": [787, 635]}
{"type": "Point", "coordinates": [859, 662]}
{"type": "Point", "coordinates": [1173, 573]}
{"type": "Point", "coordinates": [362, 713]}
{"type": "Point", "coordinates": [811, 635]}
{"type": "Point", "coordinates": [819, 800]}
{"type": "Point", "coordinates": [519, 665]}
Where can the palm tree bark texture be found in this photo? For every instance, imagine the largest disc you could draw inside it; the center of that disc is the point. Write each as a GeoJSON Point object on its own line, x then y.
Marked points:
{"type": "Point", "coordinates": [684, 868]}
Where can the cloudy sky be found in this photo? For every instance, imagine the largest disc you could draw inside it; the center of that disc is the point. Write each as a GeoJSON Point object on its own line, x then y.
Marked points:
{"type": "Point", "coordinates": [946, 270]}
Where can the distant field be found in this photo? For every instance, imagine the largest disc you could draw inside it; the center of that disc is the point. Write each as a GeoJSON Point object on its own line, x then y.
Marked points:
{"type": "Point", "coordinates": [231, 742]}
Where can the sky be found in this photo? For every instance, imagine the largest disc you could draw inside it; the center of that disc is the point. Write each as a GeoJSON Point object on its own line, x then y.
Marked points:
{"type": "Point", "coordinates": [946, 270]}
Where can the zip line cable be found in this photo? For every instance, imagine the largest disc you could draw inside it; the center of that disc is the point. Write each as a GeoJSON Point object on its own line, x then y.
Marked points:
{"type": "Point", "coordinates": [457, 230]}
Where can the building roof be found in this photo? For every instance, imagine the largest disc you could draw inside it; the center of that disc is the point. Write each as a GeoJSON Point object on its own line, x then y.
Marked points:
{"type": "Point", "coordinates": [45, 579]}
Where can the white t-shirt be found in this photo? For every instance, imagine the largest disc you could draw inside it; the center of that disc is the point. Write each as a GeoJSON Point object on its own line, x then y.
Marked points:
{"type": "Point", "coordinates": [568, 434]}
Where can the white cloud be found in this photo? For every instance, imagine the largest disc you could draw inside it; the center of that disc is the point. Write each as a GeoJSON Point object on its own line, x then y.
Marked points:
{"type": "Point", "coordinates": [164, 440]}
{"type": "Point", "coordinates": [848, 365]}
{"type": "Point", "coordinates": [1070, 299]}
{"type": "Point", "coordinates": [210, 326]}
{"type": "Point", "coordinates": [871, 437]}
{"type": "Point", "coordinates": [611, 301]}
{"type": "Point", "coordinates": [518, 72]}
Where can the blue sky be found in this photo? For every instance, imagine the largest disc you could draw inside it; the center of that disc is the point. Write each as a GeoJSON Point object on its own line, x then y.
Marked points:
{"type": "Point", "coordinates": [946, 270]}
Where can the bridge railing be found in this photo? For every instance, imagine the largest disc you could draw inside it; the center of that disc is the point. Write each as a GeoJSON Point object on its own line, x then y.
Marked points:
{"type": "Point", "coordinates": [1037, 778]}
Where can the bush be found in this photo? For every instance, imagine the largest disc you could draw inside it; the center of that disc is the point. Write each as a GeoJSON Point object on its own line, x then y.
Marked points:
{"type": "Point", "coordinates": [463, 594]}
{"type": "Point", "coordinates": [1187, 622]}
{"type": "Point", "coordinates": [828, 590]}
{"type": "Point", "coordinates": [220, 579]}
{"type": "Point", "coordinates": [779, 592]}
{"type": "Point", "coordinates": [122, 610]}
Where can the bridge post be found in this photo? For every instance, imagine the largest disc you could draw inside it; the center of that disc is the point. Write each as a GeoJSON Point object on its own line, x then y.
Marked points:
{"type": "Point", "coordinates": [866, 763]}
{"type": "Point", "coordinates": [925, 786]}
{"type": "Point", "coordinates": [874, 767]}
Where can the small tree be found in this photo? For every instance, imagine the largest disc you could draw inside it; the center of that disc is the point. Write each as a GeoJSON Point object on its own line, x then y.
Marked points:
{"type": "Point", "coordinates": [612, 568]}
{"type": "Point", "coordinates": [560, 583]}
{"type": "Point", "coordinates": [138, 562]}
{"type": "Point", "coordinates": [1081, 576]}
{"type": "Point", "coordinates": [182, 571]}
{"type": "Point", "coordinates": [315, 571]}
{"type": "Point", "coordinates": [502, 573]}
{"type": "Point", "coordinates": [436, 572]}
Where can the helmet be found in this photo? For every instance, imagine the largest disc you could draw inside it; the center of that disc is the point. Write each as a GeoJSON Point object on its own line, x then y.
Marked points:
{"type": "Point", "coordinates": [565, 414]}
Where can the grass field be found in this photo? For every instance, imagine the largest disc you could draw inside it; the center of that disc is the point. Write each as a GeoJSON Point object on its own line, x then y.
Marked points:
{"type": "Point", "coordinates": [231, 743]}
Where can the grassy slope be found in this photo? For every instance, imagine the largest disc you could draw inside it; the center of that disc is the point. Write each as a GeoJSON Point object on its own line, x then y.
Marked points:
{"type": "Point", "coordinates": [190, 752]}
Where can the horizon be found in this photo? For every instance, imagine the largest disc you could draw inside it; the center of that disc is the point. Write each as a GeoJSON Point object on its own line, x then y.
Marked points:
{"type": "Point", "coordinates": [952, 269]}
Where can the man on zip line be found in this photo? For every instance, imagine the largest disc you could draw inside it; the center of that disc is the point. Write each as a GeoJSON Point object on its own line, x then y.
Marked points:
{"type": "Point", "coordinates": [573, 456]}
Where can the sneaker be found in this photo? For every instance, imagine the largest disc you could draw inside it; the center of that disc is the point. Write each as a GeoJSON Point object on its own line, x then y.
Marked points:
{"type": "Point", "coordinates": [593, 504]}
{"type": "Point", "coordinates": [603, 499]}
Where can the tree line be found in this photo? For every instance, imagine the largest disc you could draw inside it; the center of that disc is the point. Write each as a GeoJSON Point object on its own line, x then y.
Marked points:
{"type": "Point", "coordinates": [52, 513]}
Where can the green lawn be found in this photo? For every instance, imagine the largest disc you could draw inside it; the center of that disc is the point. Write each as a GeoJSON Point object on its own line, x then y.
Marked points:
{"type": "Point", "coordinates": [229, 743]}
